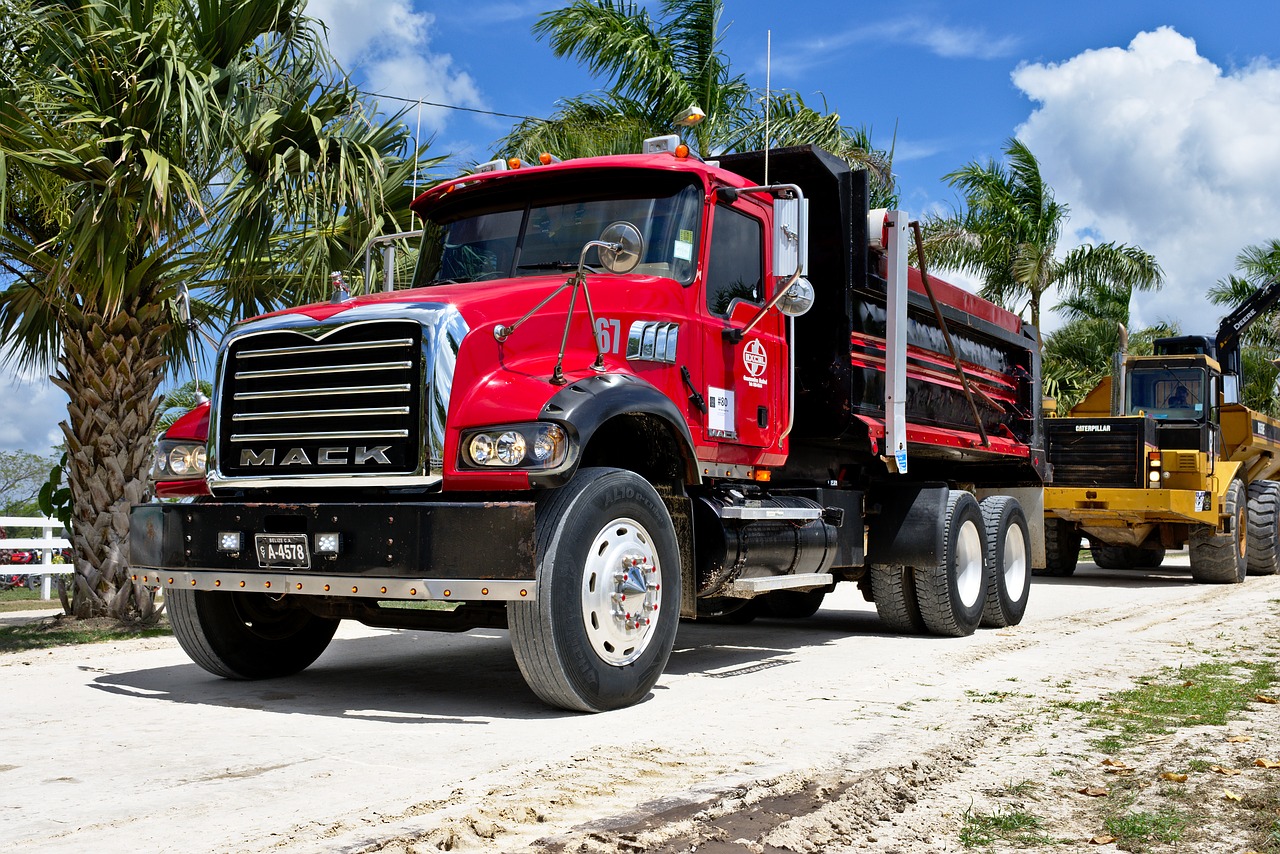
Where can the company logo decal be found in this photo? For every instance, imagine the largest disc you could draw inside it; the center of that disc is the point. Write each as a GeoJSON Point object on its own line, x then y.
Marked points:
{"type": "Point", "coordinates": [1093, 428]}
{"type": "Point", "coordinates": [756, 361]}
{"type": "Point", "coordinates": [325, 457]}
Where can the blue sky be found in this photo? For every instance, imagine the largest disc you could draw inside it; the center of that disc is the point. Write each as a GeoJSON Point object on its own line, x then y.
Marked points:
{"type": "Point", "coordinates": [1156, 122]}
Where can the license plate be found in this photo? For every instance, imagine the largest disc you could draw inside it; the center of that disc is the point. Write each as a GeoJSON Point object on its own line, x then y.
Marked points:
{"type": "Point", "coordinates": [282, 550]}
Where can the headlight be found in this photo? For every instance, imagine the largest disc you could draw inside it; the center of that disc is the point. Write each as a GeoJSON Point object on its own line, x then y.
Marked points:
{"type": "Point", "coordinates": [526, 446]}
{"type": "Point", "coordinates": [179, 460]}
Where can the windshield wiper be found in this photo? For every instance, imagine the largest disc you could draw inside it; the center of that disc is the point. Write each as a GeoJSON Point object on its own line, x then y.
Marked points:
{"type": "Point", "coordinates": [555, 265]}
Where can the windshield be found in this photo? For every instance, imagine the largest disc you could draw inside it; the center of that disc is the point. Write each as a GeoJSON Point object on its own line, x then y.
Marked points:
{"type": "Point", "coordinates": [535, 237]}
{"type": "Point", "coordinates": [1178, 393]}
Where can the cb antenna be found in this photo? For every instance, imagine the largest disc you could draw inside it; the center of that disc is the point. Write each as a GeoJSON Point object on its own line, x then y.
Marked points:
{"type": "Point", "coordinates": [768, 83]}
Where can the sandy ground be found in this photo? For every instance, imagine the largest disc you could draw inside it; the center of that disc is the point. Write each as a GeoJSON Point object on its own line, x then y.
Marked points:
{"type": "Point", "coordinates": [816, 735]}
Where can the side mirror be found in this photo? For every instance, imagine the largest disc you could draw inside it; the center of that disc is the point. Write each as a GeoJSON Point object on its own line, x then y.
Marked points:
{"type": "Point", "coordinates": [183, 303]}
{"type": "Point", "coordinates": [629, 247]}
{"type": "Point", "coordinates": [790, 236]}
{"type": "Point", "coordinates": [798, 299]}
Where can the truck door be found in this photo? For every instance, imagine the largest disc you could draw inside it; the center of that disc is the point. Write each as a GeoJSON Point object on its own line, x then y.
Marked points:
{"type": "Point", "coordinates": [745, 382]}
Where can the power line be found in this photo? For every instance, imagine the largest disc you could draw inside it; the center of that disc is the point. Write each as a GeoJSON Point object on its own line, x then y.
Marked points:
{"type": "Point", "coordinates": [426, 103]}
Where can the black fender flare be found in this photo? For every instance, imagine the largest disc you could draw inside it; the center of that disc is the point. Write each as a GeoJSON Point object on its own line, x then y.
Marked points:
{"type": "Point", "coordinates": [584, 405]}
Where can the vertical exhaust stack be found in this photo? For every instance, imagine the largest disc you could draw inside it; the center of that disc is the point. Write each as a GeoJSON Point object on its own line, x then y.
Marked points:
{"type": "Point", "coordinates": [1118, 372]}
{"type": "Point", "coordinates": [890, 226]}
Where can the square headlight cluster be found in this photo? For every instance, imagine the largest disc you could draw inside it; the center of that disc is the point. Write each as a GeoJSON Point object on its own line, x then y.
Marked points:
{"type": "Point", "coordinates": [179, 460]}
{"type": "Point", "coordinates": [518, 446]}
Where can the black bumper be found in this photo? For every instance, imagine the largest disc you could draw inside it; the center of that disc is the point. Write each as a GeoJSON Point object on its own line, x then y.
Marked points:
{"type": "Point", "coordinates": [418, 540]}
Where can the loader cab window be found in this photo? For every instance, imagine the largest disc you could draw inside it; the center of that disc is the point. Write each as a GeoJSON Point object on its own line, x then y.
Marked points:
{"type": "Point", "coordinates": [736, 261]}
{"type": "Point", "coordinates": [1176, 394]}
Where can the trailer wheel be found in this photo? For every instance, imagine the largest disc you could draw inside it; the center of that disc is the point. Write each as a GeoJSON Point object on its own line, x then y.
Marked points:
{"type": "Point", "coordinates": [791, 604]}
{"type": "Point", "coordinates": [599, 632]}
{"type": "Point", "coordinates": [1061, 548]}
{"type": "Point", "coordinates": [953, 593]}
{"type": "Point", "coordinates": [1009, 557]}
{"type": "Point", "coordinates": [893, 589]}
{"type": "Point", "coordinates": [1264, 527]}
{"type": "Point", "coordinates": [1223, 558]}
{"type": "Point", "coordinates": [247, 635]}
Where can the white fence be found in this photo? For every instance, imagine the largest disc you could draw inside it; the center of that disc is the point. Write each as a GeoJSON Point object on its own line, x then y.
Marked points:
{"type": "Point", "coordinates": [47, 545]}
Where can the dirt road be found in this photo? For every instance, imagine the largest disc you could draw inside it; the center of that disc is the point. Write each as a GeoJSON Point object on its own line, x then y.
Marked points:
{"type": "Point", "coordinates": [823, 734]}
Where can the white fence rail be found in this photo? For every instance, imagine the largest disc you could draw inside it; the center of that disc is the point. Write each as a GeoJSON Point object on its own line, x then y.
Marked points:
{"type": "Point", "coordinates": [47, 544]}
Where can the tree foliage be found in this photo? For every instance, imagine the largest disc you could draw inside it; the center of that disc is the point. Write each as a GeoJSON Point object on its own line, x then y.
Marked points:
{"type": "Point", "coordinates": [1008, 231]}
{"type": "Point", "coordinates": [655, 67]}
{"type": "Point", "coordinates": [146, 144]}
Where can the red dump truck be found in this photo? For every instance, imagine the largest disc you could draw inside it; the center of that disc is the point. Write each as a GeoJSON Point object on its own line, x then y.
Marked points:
{"type": "Point", "coordinates": [619, 391]}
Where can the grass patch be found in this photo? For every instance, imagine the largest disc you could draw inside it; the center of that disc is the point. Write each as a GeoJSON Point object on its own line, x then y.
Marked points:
{"type": "Point", "coordinates": [1208, 694]}
{"type": "Point", "coordinates": [1133, 828]}
{"type": "Point", "coordinates": [62, 631]}
{"type": "Point", "coordinates": [22, 599]}
{"type": "Point", "coordinates": [1010, 825]}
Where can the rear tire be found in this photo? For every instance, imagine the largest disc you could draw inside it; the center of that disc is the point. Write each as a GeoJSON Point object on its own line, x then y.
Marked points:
{"type": "Point", "coordinates": [1061, 548]}
{"type": "Point", "coordinates": [894, 593]}
{"type": "Point", "coordinates": [1008, 551]}
{"type": "Point", "coordinates": [1223, 558]}
{"type": "Point", "coordinates": [953, 593]}
{"type": "Point", "coordinates": [1109, 557]}
{"type": "Point", "coordinates": [601, 628]}
{"type": "Point", "coordinates": [1264, 527]}
{"type": "Point", "coordinates": [246, 635]}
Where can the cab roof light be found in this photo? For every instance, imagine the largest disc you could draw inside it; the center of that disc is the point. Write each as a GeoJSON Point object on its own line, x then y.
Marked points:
{"type": "Point", "coordinates": [514, 163]}
{"type": "Point", "coordinates": [492, 166]}
{"type": "Point", "coordinates": [546, 158]}
{"type": "Point", "coordinates": [661, 144]}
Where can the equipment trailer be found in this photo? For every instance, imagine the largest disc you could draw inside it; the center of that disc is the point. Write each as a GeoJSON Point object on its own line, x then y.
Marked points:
{"type": "Point", "coordinates": [585, 454]}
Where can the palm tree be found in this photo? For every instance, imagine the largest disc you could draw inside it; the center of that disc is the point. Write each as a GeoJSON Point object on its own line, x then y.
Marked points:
{"type": "Point", "coordinates": [656, 68]}
{"type": "Point", "coordinates": [150, 144]}
{"type": "Point", "coordinates": [1259, 265]}
{"type": "Point", "coordinates": [1008, 234]}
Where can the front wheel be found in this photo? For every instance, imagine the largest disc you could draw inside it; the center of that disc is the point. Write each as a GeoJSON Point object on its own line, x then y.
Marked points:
{"type": "Point", "coordinates": [246, 635]}
{"type": "Point", "coordinates": [1061, 548]}
{"type": "Point", "coordinates": [600, 630]}
{"type": "Point", "coordinates": [1223, 558]}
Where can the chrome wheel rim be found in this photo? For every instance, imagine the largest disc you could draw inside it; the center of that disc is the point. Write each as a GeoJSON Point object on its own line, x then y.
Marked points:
{"type": "Point", "coordinates": [968, 563]}
{"type": "Point", "coordinates": [621, 592]}
{"type": "Point", "coordinates": [1015, 561]}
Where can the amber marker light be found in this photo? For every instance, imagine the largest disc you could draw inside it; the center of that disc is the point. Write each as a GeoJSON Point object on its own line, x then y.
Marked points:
{"type": "Point", "coordinates": [382, 589]}
{"type": "Point", "coordinates": [448, 593]}
{"type": "Point", "coordinates": [763, 476]}
{"type": "Point", "coordinates": [217, 582]}
{"type": "Point", "coordinates": [326, 588]}
{"type": "Point", "coordinates": [299, 586]}
{"type": "Point", "coordinates": [484, 591]}
{"type": "Point", "coordinates": [514, 163]}
{"type": "Point", "coordinates": [355, 589]}
{"type": "Point", "coordinates": [545, 158]}
{"type": "Point", "coordinates": [682, 151]}
{"type": "Point", "coordinates": [242, 584]}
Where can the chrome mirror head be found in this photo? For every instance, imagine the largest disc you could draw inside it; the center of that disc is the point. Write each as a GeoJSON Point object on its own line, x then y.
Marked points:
{"type": "Point", "coordinates": [629, 247]}
{"type": "Point", "coordinates": [798, 299]}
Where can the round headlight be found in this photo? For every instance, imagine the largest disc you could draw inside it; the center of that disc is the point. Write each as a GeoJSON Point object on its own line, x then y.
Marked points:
{"type": "Point", "coordinates": [511, 448]}
{"type": "Point", "coordinates": [546, 445]}
{"type": "Point", "coordinates": [199, 459]}
{"type": "Point", "coordinates": [178, 461]}
{"type": "Point", "coordinates": [482, 449]}
{"type": "Point", "coordinates": [1153, 476]}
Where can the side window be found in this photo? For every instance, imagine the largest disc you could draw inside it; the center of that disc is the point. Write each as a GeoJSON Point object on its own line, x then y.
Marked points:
{"type": "Point", "coordinates": [735, 261]}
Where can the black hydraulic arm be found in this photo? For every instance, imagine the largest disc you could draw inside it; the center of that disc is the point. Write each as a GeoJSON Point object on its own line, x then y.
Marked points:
{"type": "Point", "coordinates": [1235, 324]}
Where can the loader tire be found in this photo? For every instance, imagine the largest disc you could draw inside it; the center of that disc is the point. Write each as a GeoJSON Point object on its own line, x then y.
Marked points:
{"type": "Point", "coordinates": [1061, 548]}
{"type": "Point", "coordinates": [1223, 558]}
{"type": "Point", "coordinates": [1264, 527]}
{"type": "Point", "coordinates": [1109, 557]}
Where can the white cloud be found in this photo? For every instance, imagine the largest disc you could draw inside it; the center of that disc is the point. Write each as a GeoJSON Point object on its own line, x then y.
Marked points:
{"type": "Point", "coordinates": [389, 44]}
{"type": "Point", "coordinates": [1157, 146]}
{"type": "Point", "coordinates": [941, 39]}
{"type": "Point", "coordinates": [32, 408]}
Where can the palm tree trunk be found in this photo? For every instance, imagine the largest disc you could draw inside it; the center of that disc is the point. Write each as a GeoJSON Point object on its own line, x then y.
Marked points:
{"type": "Point", "coordinates": [110, 368]}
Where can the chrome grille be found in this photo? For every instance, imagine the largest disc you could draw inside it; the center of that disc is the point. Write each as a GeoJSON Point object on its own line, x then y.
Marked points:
{"type": "Point", "coordinates": [330, 401]}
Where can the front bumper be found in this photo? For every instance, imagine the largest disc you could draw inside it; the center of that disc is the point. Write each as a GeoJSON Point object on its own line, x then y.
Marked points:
{"type": "Point", "coordinates": [454, 551]}
{"type": "Point", "coordinates": [1130, 506]}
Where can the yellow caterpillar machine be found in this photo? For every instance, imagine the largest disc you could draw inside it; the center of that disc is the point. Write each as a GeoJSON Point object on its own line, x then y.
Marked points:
{"type": "Point", "coordinates": [1163, 455]}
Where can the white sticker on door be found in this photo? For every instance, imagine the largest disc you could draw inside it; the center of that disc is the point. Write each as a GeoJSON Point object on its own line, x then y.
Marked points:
{"type": "Point", "coordinates": [720, 412]}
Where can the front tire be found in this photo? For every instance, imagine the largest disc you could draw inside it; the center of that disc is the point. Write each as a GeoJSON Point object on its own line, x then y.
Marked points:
{"type": "Point", "coordinates": [602, 626]}
{"type": "Point", "coordinates": [1008, 547]}
{"type": "Point", "coordinates": [1264, 527]}
{"type": "Point", "coordinates": [1223, 558]}
{"type": "Point", "coordinates": [247, 635]}
{"type": "Point", "coordinates": [952, 594]}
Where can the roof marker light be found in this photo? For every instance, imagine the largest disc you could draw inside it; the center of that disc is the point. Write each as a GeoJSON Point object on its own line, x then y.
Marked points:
{"type": "Point", "coordinates": [514, 163]}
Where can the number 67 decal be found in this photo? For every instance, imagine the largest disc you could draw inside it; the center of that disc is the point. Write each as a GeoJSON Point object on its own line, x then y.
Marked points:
{"type": "Point", "coordinates": [608, 335]}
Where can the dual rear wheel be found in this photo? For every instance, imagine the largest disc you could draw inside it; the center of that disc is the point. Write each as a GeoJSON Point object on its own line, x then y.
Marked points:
{"type": "Point", "coordinates": [983, 574]}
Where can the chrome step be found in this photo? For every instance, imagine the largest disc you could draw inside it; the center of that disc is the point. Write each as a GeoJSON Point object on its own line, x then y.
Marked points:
{"type": "Point", "coordinates": [802, 581]}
